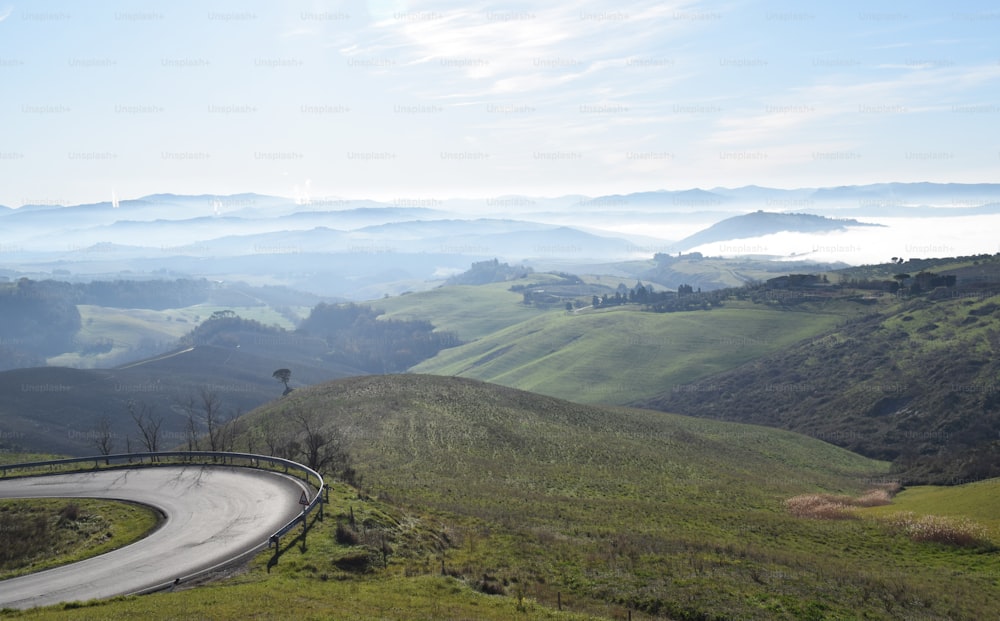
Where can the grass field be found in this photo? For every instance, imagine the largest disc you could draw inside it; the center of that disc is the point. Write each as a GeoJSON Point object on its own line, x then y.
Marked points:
{"type": "Point", "coordinates": [978, 501]}
{"type": "Point", "coordinates": [622, 355]}
{"type": "Point", "coordinates": [39, 534]}
{"type": "Point", "coordinates": [471, 312]}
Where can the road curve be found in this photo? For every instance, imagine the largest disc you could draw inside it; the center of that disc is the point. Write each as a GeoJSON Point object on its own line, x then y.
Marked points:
{"type": "Point", "coordinates": [213, 515]}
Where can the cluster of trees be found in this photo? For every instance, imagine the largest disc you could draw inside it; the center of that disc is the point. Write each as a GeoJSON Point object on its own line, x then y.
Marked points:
{"type": "Point", "coordinates": [150, 294]}
{"type": "Point", "coordinates": [305, 436]}
{"type": "Point", "coordinates": [904, 282]}
{"type": "Point", "coordinates": [40, 318]}
{"type": "Point", "coordinates": [221, 329]}
{"type": "Point", "coordinates": [357, 337]}
{"type": "Point", "coordinates": [686, 298]}
{"type": "Point", "coordinates": [210, 426]}
{"type": "Point", "coordinates": [486, 272]}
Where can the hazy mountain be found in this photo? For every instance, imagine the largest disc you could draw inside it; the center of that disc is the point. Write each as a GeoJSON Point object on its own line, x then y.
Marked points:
{"type": "Point", "coordinates": [765, 223]}
{"type": "Point", "coordinates": [409, 243]}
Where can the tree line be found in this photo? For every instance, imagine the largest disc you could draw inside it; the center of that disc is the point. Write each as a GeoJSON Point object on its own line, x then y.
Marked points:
{"type": "Point", "coordinates": [211, 426]}
{"type": "Point", "coordinates": [356, 336]}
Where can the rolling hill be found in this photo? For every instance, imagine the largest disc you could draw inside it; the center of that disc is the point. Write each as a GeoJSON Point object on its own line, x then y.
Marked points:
{"type": "Point", "coordinates": [59, 409]}
{"type": "Point", "coordinates": [617, 356]}
{"type": "Point", "coordinates": [607, 509]}
{"type": "Point", "coordinates": [914, 383]}
{"type": "Point", "coordinates": [470, 311]}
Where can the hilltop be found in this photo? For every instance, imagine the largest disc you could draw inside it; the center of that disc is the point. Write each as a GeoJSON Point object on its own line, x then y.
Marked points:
{"type": "Point", "coordinates": [913, 382]}
{"type": "Point", "coordinates": [607, 508]}
{"type": "Point", "coordinates": [616, 356]}
{"type": "Point", "coordinates": [761, 223]}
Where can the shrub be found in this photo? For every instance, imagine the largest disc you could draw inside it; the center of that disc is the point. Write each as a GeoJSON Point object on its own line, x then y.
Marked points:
{"type": "Point", "coordinates": [838, 507]}
{"type": "Point", "coordinates": [819, 507]}
{"type": "Point", "coordinates": [346, 535]}
{"type": "Point", "coordinates": [69, 513]}
{"type": "Point", "coordinates": [875, 498]}
{"type": "Point", "coordinates": [960, 532]}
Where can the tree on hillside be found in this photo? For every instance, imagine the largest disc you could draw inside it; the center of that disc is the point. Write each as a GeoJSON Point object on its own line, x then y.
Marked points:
{"type": "Point", "coordinates": [275, 439]}
{"type": "Point", "coordinates": [321, 447]}
{"type": "Point", "coordinates": [283, 376]}
{"type": "Point", "coordinates": [148, 424]}
{"type": "Point", "coordinates": [103, 437]}
{"type": "Point", "coordinates": [206, 419]}
{"type": "Point", "coordinates": [900, 280]}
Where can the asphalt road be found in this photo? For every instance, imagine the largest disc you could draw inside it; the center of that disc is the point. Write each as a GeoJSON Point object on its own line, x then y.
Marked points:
{"type": "Point", "coordinates": [213, 514]}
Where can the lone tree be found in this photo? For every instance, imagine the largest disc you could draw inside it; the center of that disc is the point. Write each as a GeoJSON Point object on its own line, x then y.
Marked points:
{"type": "Point", "coordinates": [104, 438]}
{"type": "Point", "coordinates": [204, 412]}
{"type": "Point", "coordinates": [283, 376]}
{"type": "Point", "coordinates": [148, 424]}
{"type": "Point", "coordinates": [320, 446]}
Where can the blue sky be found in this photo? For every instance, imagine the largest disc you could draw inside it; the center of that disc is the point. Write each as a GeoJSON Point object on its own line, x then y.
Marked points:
{"type": "Point", "coordinates": [390, 98]}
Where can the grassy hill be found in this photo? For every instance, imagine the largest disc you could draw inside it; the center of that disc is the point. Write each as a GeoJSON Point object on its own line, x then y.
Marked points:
{"type": "Point", "coordinates": [59, 409]}
{"type": "Point", "coordinates": [614, 509]}
{"type": "Point", "coordinates": [479, 501]}
{"type": "Point", "coordinates": [622, 355]}
{"type": "Point", "coordinates": [132, 334]}
{"type": "Point", "coordinates": [469, 311]}
{"type": "Point", "coordinates": [978, 501]}
{"type": "Point", "coordinates": [914, 383]}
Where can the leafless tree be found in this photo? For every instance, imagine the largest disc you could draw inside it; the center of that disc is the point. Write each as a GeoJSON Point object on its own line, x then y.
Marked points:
{"type": "Point", "coordinates": [211, 407]}
{"type": "Point", "coordinates": [104, 438]}
{"type": "Point", "coordinates": [231, 429]}
{"type": "Point", "coordinates": [321, 446]}
{"type": "Point", "coordinates": [275, 439]}
{"type": "Point", "coordinates": [205, 419]}
{"type": "Point", "coordinates": [149, 424]}
{"type": "Point", "coordinates": [191, 425]}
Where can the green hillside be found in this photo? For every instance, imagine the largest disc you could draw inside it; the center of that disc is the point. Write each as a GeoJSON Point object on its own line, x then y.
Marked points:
{"type": "Point", "coordinates": [915, 383]}
{"type": "Point", "coordinates": [469, 311]}
{"type": "Point", "coordinates": [615, 509]}
{"type": "Point", "coordinates": [479, 501]}
{"type": "Point", "coordinates": [621, 355]}
{"type": "Point", "coordinates": [112, 336]}
{"type": "Point", "coordinates": [978, 501]}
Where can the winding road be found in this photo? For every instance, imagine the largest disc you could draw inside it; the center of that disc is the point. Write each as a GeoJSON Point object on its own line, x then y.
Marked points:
{"type": "Point", "coordinates": [213, 515]}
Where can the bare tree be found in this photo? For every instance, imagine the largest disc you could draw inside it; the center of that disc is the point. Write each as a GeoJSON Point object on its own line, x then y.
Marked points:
{"type": "Point", "coordinates": [149, 425]}
{"type": "Point", "coordinates": [211, 407]}
{"type": "Point", "coordinates": [231, 430]}
{"type": "Point", "coordinates": [252, 436]}
{"type": "Point", "coordinates": [205, 419]}
{"type": "Point", "coordinates": [322, 447]}
{"type": "Point", "coordinates": [104, 438]}
{"type": "Point", "coordinates": [191, 425]}
{"type": "Point", "coordinates": [275, 439]}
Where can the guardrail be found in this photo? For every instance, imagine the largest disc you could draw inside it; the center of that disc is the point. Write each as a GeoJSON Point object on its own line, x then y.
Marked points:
{"type": "Point", "coordinates": [137, 459]}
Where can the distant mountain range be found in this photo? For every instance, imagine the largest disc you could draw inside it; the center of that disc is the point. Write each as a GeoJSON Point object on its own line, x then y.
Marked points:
{"type": "Point", "coordinates": [359, 249]}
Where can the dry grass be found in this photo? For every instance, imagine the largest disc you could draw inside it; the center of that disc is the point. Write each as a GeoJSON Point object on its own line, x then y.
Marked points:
{"type": "Point", "coordinates": [959, 532]}
{"type": "Point", "coordinates": [839, 507]}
